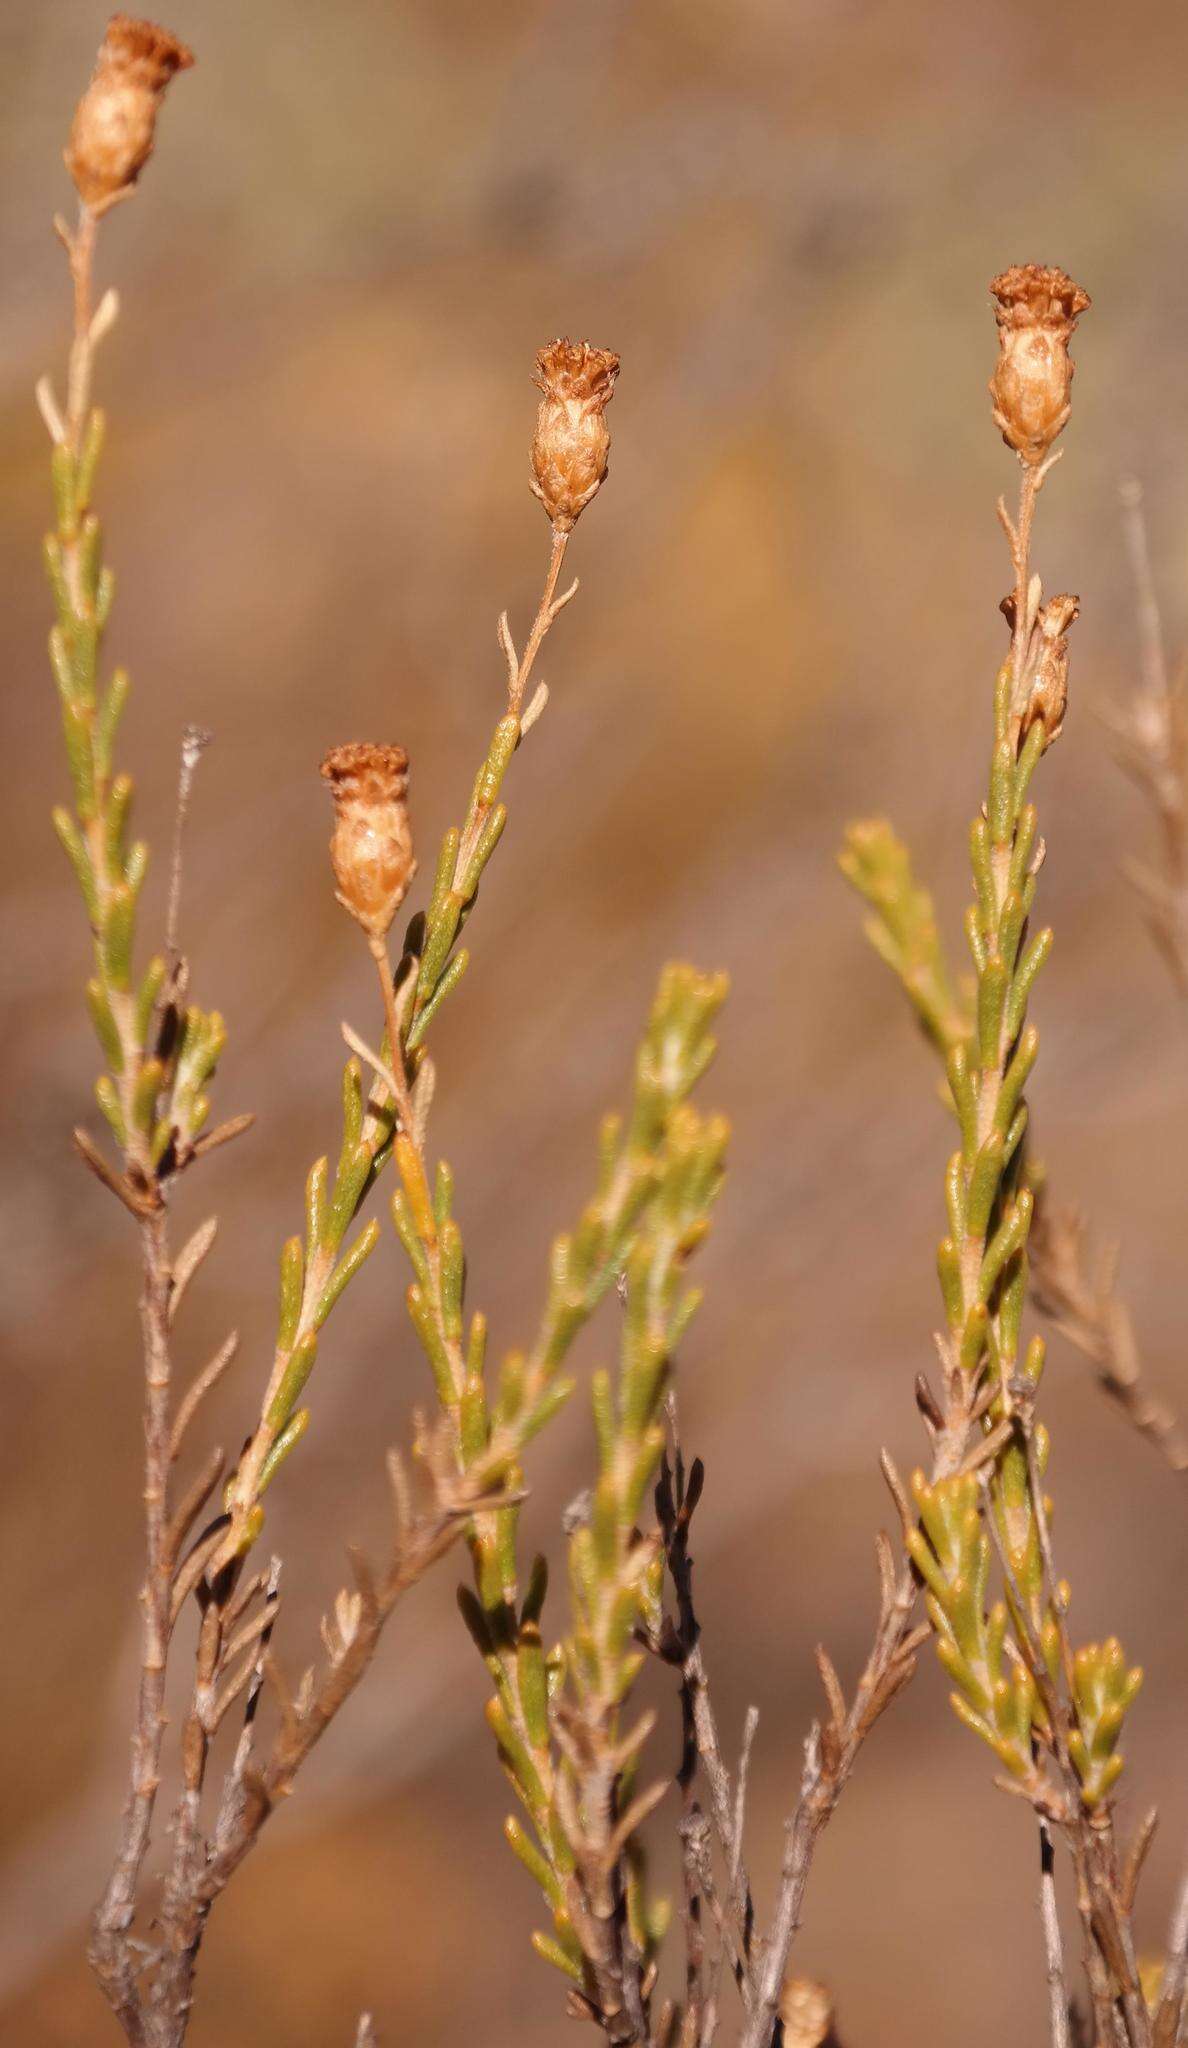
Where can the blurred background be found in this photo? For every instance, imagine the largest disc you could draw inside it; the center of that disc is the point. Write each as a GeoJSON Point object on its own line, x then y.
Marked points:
{"type": "Point", "coordinates": [362, 222]}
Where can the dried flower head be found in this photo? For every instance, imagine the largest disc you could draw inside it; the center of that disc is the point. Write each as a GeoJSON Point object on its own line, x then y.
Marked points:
{"type": "Point", "coordinates": [1042, 691]}
{"type": "Point", "coordinates": [371, 848]}
{"type": "Point", "coordinates": [1037, 311]}
{"type": "Point", "coordinates": [806, 2011]}
{"type": "Point", "coordinates": [572, 440]}
{"type": "Point", "coordinates": [111, 138]}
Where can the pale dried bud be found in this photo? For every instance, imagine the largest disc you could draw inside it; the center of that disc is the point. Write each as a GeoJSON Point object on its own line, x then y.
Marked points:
{"type": "Point", "coordinates": [1037, 311]}
{"type": "Point", "coordinates": [371, 848]}
{"type": "Point", "coordinates": [806, 2010]}
{"type": "Point", "coordinates": [111, 139]}
{"type": "Point", "coordinates": [572, 440]}
{"type": "Point", "coordinates": [1042, 691]}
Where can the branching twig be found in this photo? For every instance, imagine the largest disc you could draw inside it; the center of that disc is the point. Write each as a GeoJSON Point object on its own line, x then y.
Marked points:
{"type": "Point", "coordinates": [195, 739]}
{"type": "Point", "coordinates": [831, 1748]}
{"type": "Point", "coordinates": [1150, 737]}
{"type": "Point", "coordinates": [1171, 2019]}
{"type": "Point", "coordinates": [1057, 1988]}
{"type": "Point", "coordinates": [1086, 1307]}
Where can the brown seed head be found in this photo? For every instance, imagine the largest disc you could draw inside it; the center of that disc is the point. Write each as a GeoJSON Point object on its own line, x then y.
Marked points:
{"type": "Point", "coordinates": [572, 440]}
{"type": "Point", "coordinates": [111, 139]}
{"type": "Point", "coordinates": [1042, 691]}
{"type": "Point", "coordinates": [371, 849]}
{"type": "Point", "coordinates": [806, 2010]}
{"type": "Point", "coordinates": [1037, 311]}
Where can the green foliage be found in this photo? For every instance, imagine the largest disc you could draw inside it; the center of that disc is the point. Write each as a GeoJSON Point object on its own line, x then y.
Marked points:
{"type": "Point", "coordinates": [462, 860]}
{"type": "Point", "coordinates": [1103, 1691]}
{"type": "Point", "coordinates": [159, 1060]}
{"type": "Point", "coordinates": [903, 927]}
{"type": "Point", "coordinates": [556, 1715]}
{"type": "Point", "coordinates": [994, 1695]}
{"type": "Point", "coordinates": [430, 971]}
{"type": "Point", "coordinates": [108, 872]}
{"type": "Point", "coordinates": [989, 1053]}
{"type": "Point", "coordinates": [608, 1562]}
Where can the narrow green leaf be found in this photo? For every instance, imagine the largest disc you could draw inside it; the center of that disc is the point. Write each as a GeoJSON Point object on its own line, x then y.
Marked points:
{"type": "Point", "coordinates": [503, 745]}
{"type": "Point", "coordinates": [533, 1686]}
{"type": "Point", "coordinates": [346, 1269]}
{"type": "Point", "coordinates": [532, 1860]}
{"type": "Point", "coordinates": [289, 1437]}
{"type": "Point", "coordinates": [473, 1428]}
{"type": "Point", "coordinates": [292, 1280]}
{"type": "Point", "coordinates": [64, 479]}
{"type": "Point", "coordinates": [352, 1107]}
{"type": "Point", "coordinates": [1033, 959]}
{"type": "Point", "coordinates": [453, 1279]}
{"type": "Point", "coordinates": [447, 861]}
{"type": "Point", "coordinates": [76, 731]}
{"type": "Point", "coordinates": [445, 987]}
{"type": "Point", "coordinates": [88, 461]}
{"type": "Point", "coordinates": [488, 840]}
{"type": "Point", "coordinates": [948, 1265]}
{"type": "Point", "coordinates": [552, 1952]}
{"type": "Point", "coordinates": [144, 1096]}
{"type": "Point", "coordinates": [79, 858]}
{"type": "Point", "coordinates": [424, 1324]}
{"type": "Point", "coordinates": [90, 555]}
{"type": "Point", "coordinates": [109, 1102]}
{"type": "Point", "coordinates": [292, 1384]}
{"type": "Point", "coordinates": [107, 718]}
{"type": "Point", "coordinates": [316, 1189]}
{"type": "Point", "coordinates": [55, 570]}
{"type": "Point", "coordinates": [105, 1024]}
{"type": "Point", "coordinates": [118, 933]}
{"type": "Point", "coordinates": [146, 997]}
{"type": "Point", "coordinates": [1001, 812]}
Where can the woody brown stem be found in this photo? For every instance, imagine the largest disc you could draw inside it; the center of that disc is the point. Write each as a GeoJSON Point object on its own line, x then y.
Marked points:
{"type": "Point", "coordinates": [80, 251]}
{"type": "Point", "coordinates": [831, 1753]}
{"type": "Point", "coordinates": [303, 1724]}
{"type": "Point", "coordinates": [545, 615]}
{"type": "Point", "coordinates": [111, 1953]}
{"type": "Point", "coordinates": [378, 949]}
{"type": "Point", "coordinates": [1050, 1920]}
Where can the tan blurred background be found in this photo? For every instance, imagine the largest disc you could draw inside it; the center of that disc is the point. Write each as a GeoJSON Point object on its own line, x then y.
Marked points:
{"type": "Point", "coordinates": [783, 213]}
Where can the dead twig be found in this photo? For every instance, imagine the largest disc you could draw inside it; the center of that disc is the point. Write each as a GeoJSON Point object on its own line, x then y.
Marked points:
{"type": "Point", "coordinates": [1150, 740]}
{"type": "Point", "coordinates": [1085, 1307]}
{"type": "Point", "coordinates": [1058, 2018]}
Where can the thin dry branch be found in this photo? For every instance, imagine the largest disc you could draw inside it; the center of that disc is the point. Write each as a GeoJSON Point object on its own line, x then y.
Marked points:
{"type": "Point", "coordinates": [1103, 1897]}
{"type": "Point", "coordinates": [678, 1492]}
{"type": "Point", "coordinates": [1171, 2018]}
{"type": "Point", "coordinates": [113, 1958]}
{"type": "Point", "coordinates": [195, 740]}
{"type": "Point", "coordinates": [203, 1384]}
{"type": "Point", "coordinates": [832, 1747]}
{"type": "Point", "coordinates": [1058, 2017]}
{"type": "Point", "coordinates": [1150, 739]}
{"type": "Point", "coordinates": [304, 1722]}
{"type": "Point", "coordinates": [1085, 1306]}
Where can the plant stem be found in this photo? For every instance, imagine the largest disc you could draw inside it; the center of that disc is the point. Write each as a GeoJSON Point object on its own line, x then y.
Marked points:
{"type": "Point", "coordinates": [826, 1773]}
{"type": "Point", "coordinates": [545, 615]}
{"type": "Point", "coordinates": [111, 1954]}
{"type": "Point", "coordinates": [1057, 1988]}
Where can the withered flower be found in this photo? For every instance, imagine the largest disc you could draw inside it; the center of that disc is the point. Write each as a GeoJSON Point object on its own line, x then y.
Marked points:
{"type": "Point", "coordinates": [111, 138]}
{"type": "Point", "coordinates": [1042, 690]}
{"type": "Point", "coordinates": [572, 440]}
{"type": "Point", "coordinates": [371, 849]}
{"type": "Point", "coordinates": [1037, 311]}
{"type": "Point", "coordinates": [806, 2011]}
